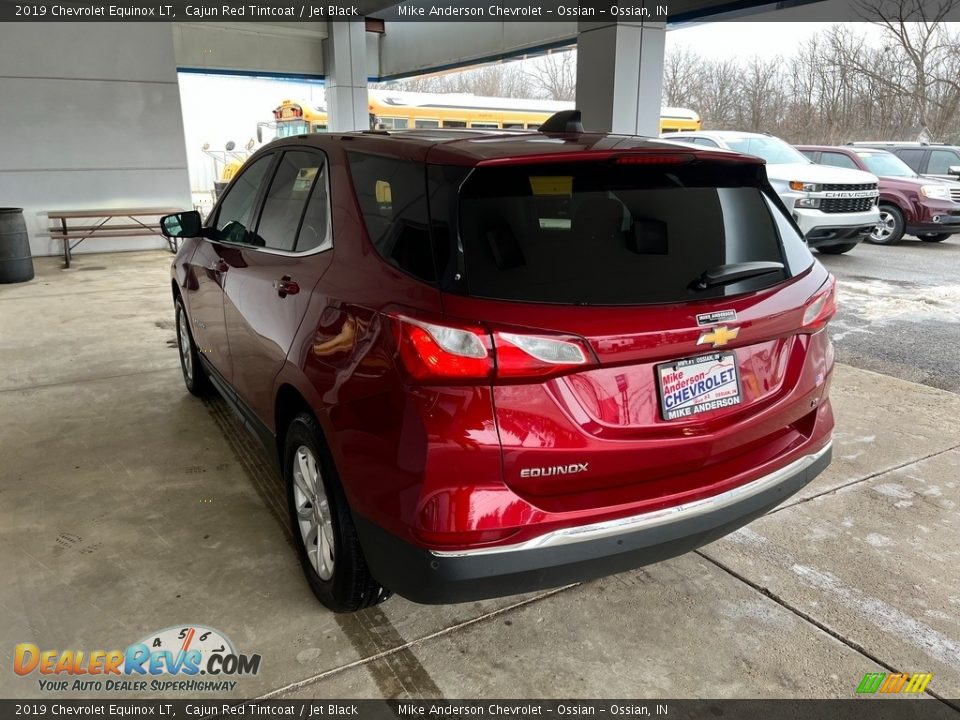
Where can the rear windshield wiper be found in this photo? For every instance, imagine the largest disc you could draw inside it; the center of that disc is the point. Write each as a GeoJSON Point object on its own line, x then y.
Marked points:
{"type": "Point", "coordinates": [733, 272]}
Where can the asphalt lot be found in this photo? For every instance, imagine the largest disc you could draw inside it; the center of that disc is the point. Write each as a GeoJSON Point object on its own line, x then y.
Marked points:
{"type": "Point", "coordinates": [900, 310]}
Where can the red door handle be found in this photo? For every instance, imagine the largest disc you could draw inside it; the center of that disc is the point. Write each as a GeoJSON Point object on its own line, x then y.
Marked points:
{"type": "Point", "coordinates": [285, 286]}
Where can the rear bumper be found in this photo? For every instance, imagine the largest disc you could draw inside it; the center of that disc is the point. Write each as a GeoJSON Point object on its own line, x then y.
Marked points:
{"type": "Point", "coordinates": [579, 553]}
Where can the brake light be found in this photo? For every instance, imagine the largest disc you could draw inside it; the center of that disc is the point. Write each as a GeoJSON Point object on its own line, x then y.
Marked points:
{"type": "Point", "coordinates": [465, 353]}
{"type": "Point", "coordinates": [429, 351]}
{"type": "Point", "coordinates": [822, 307]}
{"type": "Point", "coordinates": [645, 158]}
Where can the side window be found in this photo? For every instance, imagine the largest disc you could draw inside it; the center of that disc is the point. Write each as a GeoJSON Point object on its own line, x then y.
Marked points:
{"type": "Point", "coordinates": [392, 197]}
{"type": "Point", "coordinates": [913, 158]}
{"type": "Point", "coordinates": [315, 230]}
{"type": "Point", "coordinates": [235, 215]}
{"type": "Point", "coordinates": [838, 160]}
{"type": "Point", "coordinates": [298, 174]}
{"type": "Point", "coordinates": [706, 142]}
{"type": "Point", "coordinates": [941, 161]}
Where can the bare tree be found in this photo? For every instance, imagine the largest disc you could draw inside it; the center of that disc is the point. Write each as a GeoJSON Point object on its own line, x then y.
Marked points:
{"type": "Point", "coordinates": [555, 76]}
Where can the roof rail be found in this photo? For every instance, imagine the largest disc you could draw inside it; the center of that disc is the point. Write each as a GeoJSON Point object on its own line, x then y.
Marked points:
{"type": "Point", "coordinates": [565, 121]}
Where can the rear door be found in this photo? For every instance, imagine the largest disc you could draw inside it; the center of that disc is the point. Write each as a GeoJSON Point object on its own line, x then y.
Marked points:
{"type": "Point", "coordinates": [273, 271]}
{"type": "Point", "coordinates": [686, 374]}
{"type": "Point", "coordinates": [211, 261]}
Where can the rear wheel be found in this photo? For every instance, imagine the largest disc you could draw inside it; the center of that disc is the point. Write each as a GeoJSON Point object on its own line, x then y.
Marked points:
{"type": "Point", "coordinates": [322, 528]}
{"type": "Point", "coordinates": [194, 376]}
{"type": "Point", "coordinates": [933, 237]}
{"type": "Point", "coordinates": [889, 230]}
{"type": "Point", "coordinates": [837, 249]}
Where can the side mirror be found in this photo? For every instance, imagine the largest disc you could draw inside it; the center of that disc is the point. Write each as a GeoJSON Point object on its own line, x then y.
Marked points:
{"type": "Point", "coordinates": [954, 170]}
{"type": "Point", "coordinates": [182, 225]}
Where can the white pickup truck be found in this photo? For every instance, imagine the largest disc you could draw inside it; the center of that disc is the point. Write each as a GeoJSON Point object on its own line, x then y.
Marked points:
{"type": "Point", "coordinates": [835, 208]}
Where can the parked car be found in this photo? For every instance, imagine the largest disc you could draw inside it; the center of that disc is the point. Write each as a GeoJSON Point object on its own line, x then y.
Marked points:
{"type": "Point", "coordinates": [489, 363]}
{"type": "Point", "coordinates": [835, 209]}
{"type": "Point", "coordinates": [909, 203]}
{"type": "Point", "coordinates": [941, 162]}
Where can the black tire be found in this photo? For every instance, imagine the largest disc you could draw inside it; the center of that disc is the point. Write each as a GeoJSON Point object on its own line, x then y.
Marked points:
{"type": "Point", "coordinates": [838, 249]}
{"type": "Point", "coordinates": [933, 237]}
{"type": "Point", "coordinates": [891, 227]}
{"type": "Point", "coordinates": [350, 586]}
{"type": "Point", "coordinates": [194, 376]}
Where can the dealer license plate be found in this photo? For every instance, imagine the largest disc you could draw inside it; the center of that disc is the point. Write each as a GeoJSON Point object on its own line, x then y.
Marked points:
{"type": "Point", "coordinates": [698, 385]}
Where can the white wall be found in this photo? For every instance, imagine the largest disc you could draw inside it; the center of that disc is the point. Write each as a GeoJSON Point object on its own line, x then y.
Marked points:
{"type": "Point", "coordinates": [90, 118]}
{"type": "Point", "coordinates": [291, 48]}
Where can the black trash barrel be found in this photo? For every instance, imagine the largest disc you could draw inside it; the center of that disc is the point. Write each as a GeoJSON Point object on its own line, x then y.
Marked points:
{"type": "Point", "coordinates": [16, 263]}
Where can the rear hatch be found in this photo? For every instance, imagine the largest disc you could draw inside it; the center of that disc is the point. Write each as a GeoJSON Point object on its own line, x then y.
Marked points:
{"type": "Point", "coordinates": [668, 294]}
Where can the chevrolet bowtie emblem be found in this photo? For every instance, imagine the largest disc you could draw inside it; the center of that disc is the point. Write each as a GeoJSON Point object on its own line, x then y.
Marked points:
{"type": "Point", "coordinates": [719, 336]}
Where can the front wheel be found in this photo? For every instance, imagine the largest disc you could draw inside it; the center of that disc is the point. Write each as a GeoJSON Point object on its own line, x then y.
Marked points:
{"type": "Point", "coordinates": [889, 230]}
{"type": "Point", "coordinates": [323, 530]}
{"type": "Point", "coordinates": [837, 249]}
{"type": "Point", "coordinates": [194, 376]}
{"type": "Point", "coordinates": [933, 237]}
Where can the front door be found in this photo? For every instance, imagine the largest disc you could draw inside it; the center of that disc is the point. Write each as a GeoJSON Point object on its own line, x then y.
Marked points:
{"type": "Point", "coordinates": [271, 279]}
{"type": "Point", "coordinates": [211, 262]}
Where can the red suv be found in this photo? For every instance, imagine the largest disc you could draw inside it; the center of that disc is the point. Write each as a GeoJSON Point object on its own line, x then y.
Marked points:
{"type": "Point", "coordinates": [492, 362]}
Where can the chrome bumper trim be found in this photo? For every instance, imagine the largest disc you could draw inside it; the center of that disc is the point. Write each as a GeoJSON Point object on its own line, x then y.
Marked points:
{"type": "Point", "coordinates": [634, 523]}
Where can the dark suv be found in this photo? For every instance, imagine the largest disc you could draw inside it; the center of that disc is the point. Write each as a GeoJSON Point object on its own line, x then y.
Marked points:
{"type": "Point", "coordinates": [491, 362]}
{"type": "Point", "coordinates": [934, 161]}
{"type": "Point", "coordinates": [909, 203]}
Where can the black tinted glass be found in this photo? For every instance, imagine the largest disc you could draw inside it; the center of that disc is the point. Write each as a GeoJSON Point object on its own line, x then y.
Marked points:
{"type": "Point", "coordinates": [283, 207]}
{"type": "Point", "coordinates": [235, 216]}
{"type": "Point", "coordinates": [604, 233]}
{"type": "Point", "coordinates": [392, 197]}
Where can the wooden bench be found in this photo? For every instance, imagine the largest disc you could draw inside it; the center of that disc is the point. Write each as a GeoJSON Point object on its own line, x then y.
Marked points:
{"type": "Point", "coordinates": [101, 223]}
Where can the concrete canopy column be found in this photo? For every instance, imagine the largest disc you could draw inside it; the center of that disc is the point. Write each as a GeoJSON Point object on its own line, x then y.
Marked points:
{"type": "Point", "coordinates": [345, 60]}
{"type": "Point", "coordinates": [620, 76]}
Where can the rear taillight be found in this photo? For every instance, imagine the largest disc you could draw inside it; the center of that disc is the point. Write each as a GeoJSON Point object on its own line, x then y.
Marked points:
{"type": "Point", "coordinates": [431, 352]}
{"type": "Point", "coordinates": [821, 308]}
{"type": "Point", "coordinates": [535, 355]}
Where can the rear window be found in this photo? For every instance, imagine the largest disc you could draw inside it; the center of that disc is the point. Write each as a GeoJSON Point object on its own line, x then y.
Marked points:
{"type": "Point", "coordinates": [610, 234]}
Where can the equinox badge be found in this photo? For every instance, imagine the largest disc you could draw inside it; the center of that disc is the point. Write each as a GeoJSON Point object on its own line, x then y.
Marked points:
{"type": "Point", "coordinates": [554, 470]}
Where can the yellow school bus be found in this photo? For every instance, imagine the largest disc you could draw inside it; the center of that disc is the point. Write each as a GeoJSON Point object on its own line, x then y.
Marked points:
{"type": "Point", "coordinates": [403, 110]}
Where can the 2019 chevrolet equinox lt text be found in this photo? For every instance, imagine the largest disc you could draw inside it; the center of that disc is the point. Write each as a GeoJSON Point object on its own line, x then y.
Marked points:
{"type": "Point", "coordinates": [492, 362]}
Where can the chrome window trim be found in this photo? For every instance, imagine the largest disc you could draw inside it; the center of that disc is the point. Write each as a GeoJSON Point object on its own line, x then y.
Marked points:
{"type": "Point", "coordinates": [645, 521]}
{"type": "Point", "coordinates": [274, 251]}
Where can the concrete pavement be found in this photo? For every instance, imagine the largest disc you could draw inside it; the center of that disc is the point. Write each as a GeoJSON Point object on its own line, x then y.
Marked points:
{"type": "Point", "coordinates": [127, 506]}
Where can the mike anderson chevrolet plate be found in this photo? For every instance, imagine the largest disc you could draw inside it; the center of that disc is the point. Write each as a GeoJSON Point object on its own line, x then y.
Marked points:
{"type": "Point", "coordinates": [698, 385]}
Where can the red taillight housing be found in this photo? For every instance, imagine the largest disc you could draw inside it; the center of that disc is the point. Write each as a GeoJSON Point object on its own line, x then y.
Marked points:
{"type": "Point", "coordinates": [821, 308]}
{"type": "Point", "coordinates": [460, 352]}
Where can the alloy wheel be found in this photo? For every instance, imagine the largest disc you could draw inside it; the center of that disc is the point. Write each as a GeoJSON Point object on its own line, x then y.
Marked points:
{"type": "Point", "coordinates": [184, 342]}
{"type": "Point", "coordinates": [313, 512]}
{"type": "Point", "coordinates": [884, 228]}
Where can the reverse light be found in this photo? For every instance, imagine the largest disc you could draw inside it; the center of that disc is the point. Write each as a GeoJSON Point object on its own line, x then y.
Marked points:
{"type": "Point", "coordinates": [536, 356]}
{"type": "Point", "coordinates": [935, 192]}
{"type": "Point", "coordinates": [822, 307]}
{"type": "Point", "coordinates": [801, 186]}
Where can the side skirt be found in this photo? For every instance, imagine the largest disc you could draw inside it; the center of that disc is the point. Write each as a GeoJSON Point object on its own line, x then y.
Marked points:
{"type": "Point", "coordinates": [250, 421]}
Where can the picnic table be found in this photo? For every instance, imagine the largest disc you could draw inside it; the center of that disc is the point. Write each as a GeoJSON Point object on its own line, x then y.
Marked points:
{"type": "Point", "coordinates": [72, 227]}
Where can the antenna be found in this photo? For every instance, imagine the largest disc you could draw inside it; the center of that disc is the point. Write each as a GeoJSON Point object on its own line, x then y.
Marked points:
{"type": "Point", "coordinates": [565, 121]}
